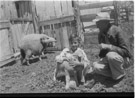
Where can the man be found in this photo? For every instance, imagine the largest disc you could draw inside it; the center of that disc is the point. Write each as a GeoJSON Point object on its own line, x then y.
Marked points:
{"type": "Point", "coordinates": [114, 53]}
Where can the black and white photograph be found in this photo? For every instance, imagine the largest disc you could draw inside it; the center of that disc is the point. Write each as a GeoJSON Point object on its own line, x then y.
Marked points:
{"type": "Point", "coordinates": [66, 46]}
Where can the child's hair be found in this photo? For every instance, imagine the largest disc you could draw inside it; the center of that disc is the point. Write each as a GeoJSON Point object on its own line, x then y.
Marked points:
{"type": "Point", "coordinates": [74, 38]}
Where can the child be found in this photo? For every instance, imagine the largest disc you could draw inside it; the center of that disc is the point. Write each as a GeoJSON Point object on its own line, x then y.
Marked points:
{"type": "Point", "coordinates": [73, 62]}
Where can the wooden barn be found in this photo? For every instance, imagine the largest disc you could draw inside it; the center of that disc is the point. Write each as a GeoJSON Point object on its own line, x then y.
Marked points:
{"type": "Point", "coordinates": [58, 19]}
{"type": "Point", "coordinates": [17, 19]}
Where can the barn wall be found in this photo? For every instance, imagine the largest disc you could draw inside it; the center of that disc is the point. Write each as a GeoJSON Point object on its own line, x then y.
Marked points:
{"type": "Point", "coordinates": [5, 49]}
{"type": "Point", "coordinates": [18, 31]}
{"type": "Point", "coordinates": [15, 22]}
{"type": "Point", "coordinates": [47, 10]}
{"type": "Point", "coordinates": [7, 11]}
{"type": "Point", "coordinates": [60, 13]}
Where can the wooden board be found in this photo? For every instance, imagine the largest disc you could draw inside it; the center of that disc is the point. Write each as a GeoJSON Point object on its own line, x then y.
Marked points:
{"type": "Point", "coordinates": [58, 10]}
{"type": "Point", "coordinates": [69, 31]}
{"type": "Point", "coordinates": [7, 10]}
{"type": "Point", "coordinates": [70, 8]}
{"type": "Point", "coordinates": [17, 35]}
{"type": "Point", "coordinates": [95, 5]}
{"type": "Point", "coordinates": [64, 8]}
{"type": "Point", "coordinates": [30, 29]}
{"type": "Point", "coordinates": [65, 39]}
{"type": "Point", "coordinates": [13, 29]}
{"type": "Point", "coordinates": [57, 31]}
{"type": "Point", "coordinates": [51, 7]}
{"type": "Point", "coordinates": [57, 20]}
{"type": "Point", "coordinates": [41, 9]}
{"type": "Point", "coordinates": [90, 11]}
{"type": "Point", "coordinates": [5, 49]}
{"type": "Point", "coordinates": [4, 25]}
{"type": "Point", "coordinates": [88, 17]}
{"type": "Point", "coordinates": [13, 10]}
{"type": "Point", "coordinates": [2, 63]}
{"type": "Point", "coordinates": [1, 10]}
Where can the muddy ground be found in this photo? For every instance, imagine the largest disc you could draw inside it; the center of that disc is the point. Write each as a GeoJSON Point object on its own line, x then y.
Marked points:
{"type": "Point", "coordinates": [38, 77]}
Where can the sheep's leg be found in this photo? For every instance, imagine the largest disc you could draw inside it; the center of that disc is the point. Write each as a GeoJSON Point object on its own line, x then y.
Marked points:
{"type": "Point", "coordinates": [75, 77]}
{"type": "Point", "coordinates": [43, 53]}
{"type": "Point", "coordinates": [54, 77]}
{"type": "Point", "coordinates": [83, 77]}
{"type": "Point", "coordinates": [28, 54]}
{"type": "Point", "coordinates": [33, 56]}
{"type": "Point", "coordinates": [56, 71]}
{"type": "Point", "coordinates": [67, 79]}
{"type": "Point", "coordinates": [40, 58]}
{"type": "Point", "coordinates": [84, 72]}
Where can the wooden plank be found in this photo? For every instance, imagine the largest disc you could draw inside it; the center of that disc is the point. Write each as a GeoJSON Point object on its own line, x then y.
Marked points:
{"type": "Point", "coordinates": [4, 21]}
{"type": "Point", "coordinates": [26, 27]}
{"type": "Point", "coordinates": [20, 32]}
{"type": "Point", "coordinates": [1, 10]}
{"type": "Point", "coordinates": [65, 39]}
{"type": "Point", "coordinates": [64, 8]}
{"type": "Point", "coordinates": [13, 10]}
{"type": "Point", "coordinates": [70, 8]}
{"type": "Point", "coordinates": [4, 25]}
{"type": "Point", "coordinates": [19, 10]}
{"type": "Point", "coordinates": [15, 28]}
{"type": "Point", "coordinates": [52, 31]}
{"type": "Point", "coordinates": [29, 9]}
{"type": "Point", "coordinates": [11, 40]}
{"type": "Point", "coordinates": [34, 17]}
{"type": "Point", "coordinates": [7, 9]}
{"type": "Point", "coordinates": [73, 27]}
{"type": "Point", "coordinates": [30, 29]}
{"type": "Point", "coordinates": [21, 19]}
{"type": "Point", "coordinates": [23, 9]}
{"type": "Point", "coordinates": [57, 20]}
{"type": "Point", "coordinates": [78, 21]}
{"type": "Point", "coordinates": [90, 11]}
{"type": "Point", "coordinates": [58, 11]}
{"type": "Point", "coordinates": [14, 37]}
{"type": "Point", "coordinates": [52, 12]}
{"type": "Point", "coordinates": [2, 63]}
{"type": "Point", "coordinates": [57, 31]}
{"type": "Point", "coordinates": [69, 30]}
{"type": "Point", "coordinates": [41, 10]}
{"type": "Point", "coordinates": [4, 43]}
{"type": "Point", "coordinates": [107, 9]}
{"type": "Point", "coordinates": [95, 5]}
{"type": "Point", "coordinates": [18, 35]}
{"type": "Point", "coordinates": [88, 17]}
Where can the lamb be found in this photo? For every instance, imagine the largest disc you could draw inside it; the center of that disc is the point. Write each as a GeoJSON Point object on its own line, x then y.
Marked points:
{"type": "Point", "coordinates": [71, 66]}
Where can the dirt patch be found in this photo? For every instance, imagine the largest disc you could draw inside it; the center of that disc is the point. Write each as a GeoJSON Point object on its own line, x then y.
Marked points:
{"type": "Point", "coordinates": [38, 77]}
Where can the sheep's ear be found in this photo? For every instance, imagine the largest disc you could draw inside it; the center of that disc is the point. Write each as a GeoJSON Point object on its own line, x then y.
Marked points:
{"type": "Point", "coordinates": [41, 39]}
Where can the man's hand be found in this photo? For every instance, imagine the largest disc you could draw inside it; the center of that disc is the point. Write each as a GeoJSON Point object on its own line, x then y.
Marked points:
{"type": "Point", "coordinates": [105, 46]}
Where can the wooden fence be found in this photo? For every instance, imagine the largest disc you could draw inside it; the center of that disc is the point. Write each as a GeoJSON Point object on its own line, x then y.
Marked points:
{"type": "Point", "coordinates": [56, 19]}
{"type": "Point", "coordinates": [15, 22]}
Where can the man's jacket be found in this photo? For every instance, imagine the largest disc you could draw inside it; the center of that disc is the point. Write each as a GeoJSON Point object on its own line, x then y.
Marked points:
{"type": "Point", "coordinates": [114, 37]}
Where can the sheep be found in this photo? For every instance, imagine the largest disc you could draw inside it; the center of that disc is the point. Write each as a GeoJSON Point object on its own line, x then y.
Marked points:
{"type": "Point", "coordinates": [34, 44]}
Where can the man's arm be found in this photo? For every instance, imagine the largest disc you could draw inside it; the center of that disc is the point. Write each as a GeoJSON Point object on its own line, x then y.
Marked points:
{"type": "Point", "coordinates": [122, 48]}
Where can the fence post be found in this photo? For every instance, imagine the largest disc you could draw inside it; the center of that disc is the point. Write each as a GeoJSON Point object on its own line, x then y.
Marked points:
{"type": "Point", "coordinates": [78, 21]}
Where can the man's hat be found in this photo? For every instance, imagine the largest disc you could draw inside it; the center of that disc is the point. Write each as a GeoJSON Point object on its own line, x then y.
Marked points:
{"type": "Point", "coordinates": [102, 16]}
